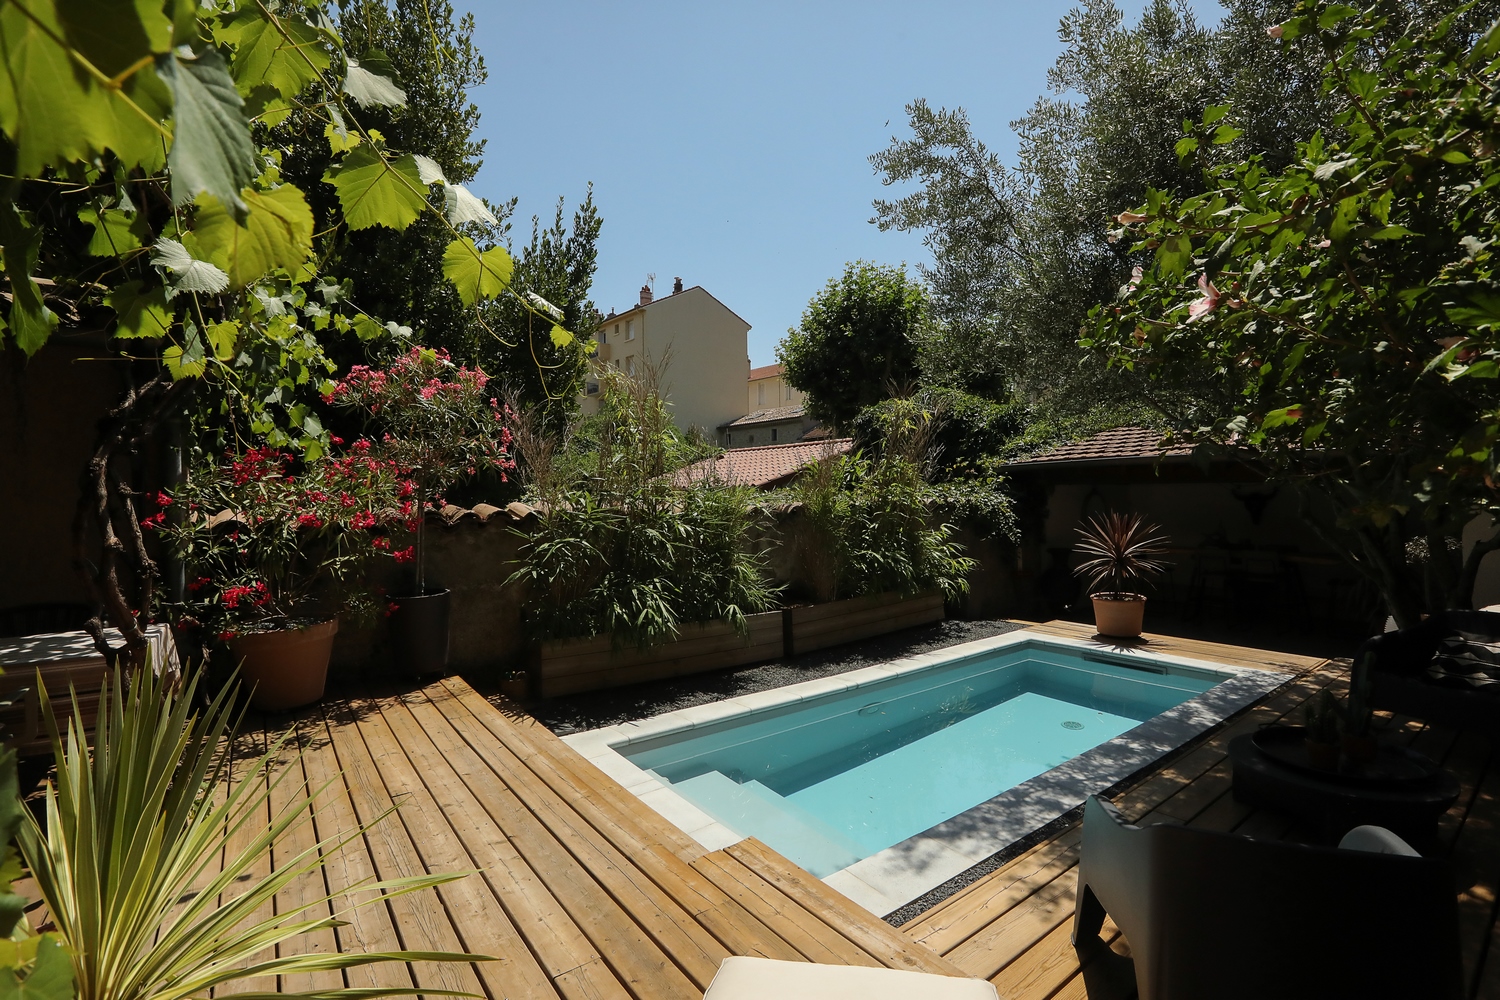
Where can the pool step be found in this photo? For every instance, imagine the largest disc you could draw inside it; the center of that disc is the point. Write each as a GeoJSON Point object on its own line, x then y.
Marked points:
{"type": "Point", "coordinates": [754, 810]}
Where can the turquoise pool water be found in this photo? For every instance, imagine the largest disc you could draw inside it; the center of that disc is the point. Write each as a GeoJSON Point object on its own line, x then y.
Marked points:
{"type": "Point", "coordinates": [833, 780]}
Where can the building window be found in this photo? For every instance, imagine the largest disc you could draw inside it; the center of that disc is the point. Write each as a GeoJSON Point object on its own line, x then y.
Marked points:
{"type": "Point", "coordinates": [617, 329]}
{"type": "Point", "coordinates": [591, 388]}
{"type": "Point", "coordinates": [602, 337]}
{"type": "Point", "coordinates": [773, 434]}
{"type": "Point", "coordinates": [630, 329]}
{"type": "Point", "coordinates": [760, 394]}
{"type": "Point", "coordinates": [632, 364]}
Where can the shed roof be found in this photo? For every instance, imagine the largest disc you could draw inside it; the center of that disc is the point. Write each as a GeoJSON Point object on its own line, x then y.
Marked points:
{"type": "Point", "coordinates": [765, 371]}
{"type": "Point", "coordinates": [767, 416]}
{"type": "Point", "coordinates": [764, 466]}
{"type": "Point", "coordinates": [1114, 446]}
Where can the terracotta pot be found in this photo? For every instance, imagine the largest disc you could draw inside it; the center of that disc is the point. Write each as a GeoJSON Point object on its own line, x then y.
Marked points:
{"type": "Point", "coordinates": [1119, 615]}
{"type": "Point", "coordinates": [1323, 756]}
{"type": "Point", "coordinates": [286, 668]}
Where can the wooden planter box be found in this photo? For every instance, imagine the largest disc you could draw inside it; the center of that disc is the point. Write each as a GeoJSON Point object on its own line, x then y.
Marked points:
{"type": "Point", "coordinates": [61, 659]}
{"type": "Point", "coordinates": [818, 626]}
{"type": "Point", "coordinates": [569, 666]}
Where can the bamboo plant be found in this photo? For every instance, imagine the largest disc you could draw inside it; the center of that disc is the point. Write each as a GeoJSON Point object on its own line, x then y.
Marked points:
{"type": "Point", "coordinates": [130, 856]}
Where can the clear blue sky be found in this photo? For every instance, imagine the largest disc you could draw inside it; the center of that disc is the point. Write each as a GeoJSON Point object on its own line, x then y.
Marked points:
{"type": "Point", "coordinates": [727, 143]}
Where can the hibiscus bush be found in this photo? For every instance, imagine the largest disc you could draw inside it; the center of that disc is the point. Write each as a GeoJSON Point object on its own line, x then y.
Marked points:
{"type": "Point", "coordinates": [433, 419]}
{"type": "Point", "coordinates": [271, 541]}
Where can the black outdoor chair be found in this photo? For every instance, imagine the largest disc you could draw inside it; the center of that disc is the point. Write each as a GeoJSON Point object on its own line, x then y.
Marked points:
{"type": "Point", "coordinates": [1445, 670]}
{"type": "Point", "coordinates": [1217, 915]}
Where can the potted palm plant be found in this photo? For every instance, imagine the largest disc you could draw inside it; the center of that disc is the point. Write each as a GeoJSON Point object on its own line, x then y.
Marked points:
{"type": "Point", "coordinates": [435, 421]}
{"type": "Point", "coordinates": [276, 551]}
{"type": "Point", "coordinates": [1122, 552]}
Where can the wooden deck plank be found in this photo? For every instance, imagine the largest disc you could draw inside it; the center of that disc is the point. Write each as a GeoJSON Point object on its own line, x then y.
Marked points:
{"type": "Point", "coordinates": [420, 919]}
{"type": "Point", "coordinates": [607, 926]}
{"type": "Point", "coordinates": [505, 909]}
{"type": "Point", "coordinates": [289, 786]}
{"type": "Point", "coordinates": [876, 937]}
{"type": "Point", "coordinates": [734, 927]}
{"type": "Point", "coordinates": [246, 754]}
{"type": "Point", "coordinates": [368, 928]}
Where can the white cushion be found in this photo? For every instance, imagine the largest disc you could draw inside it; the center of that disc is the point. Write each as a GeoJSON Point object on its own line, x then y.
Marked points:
{"type": "Point", "coordinates": [768, 979]}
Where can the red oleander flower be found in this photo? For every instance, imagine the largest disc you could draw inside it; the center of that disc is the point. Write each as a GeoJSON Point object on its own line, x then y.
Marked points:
{"type": "Point", "coordinates": [406, 555]}
{"type": "Point", "coordinates": [310, 521]}
{"type": "Point", "coordinates": [163, 499]}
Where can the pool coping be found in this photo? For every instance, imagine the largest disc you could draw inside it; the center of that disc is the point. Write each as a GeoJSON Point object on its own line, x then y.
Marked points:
{"type": "Point", "coordinates": [889, 879]}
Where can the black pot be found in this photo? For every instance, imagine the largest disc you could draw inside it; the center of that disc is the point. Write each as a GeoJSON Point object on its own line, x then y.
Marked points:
{"type": "Point", "coordinates": [419, 633]}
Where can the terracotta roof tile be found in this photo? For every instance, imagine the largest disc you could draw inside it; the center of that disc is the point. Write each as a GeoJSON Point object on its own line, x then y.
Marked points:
{"type": "Point", "coordinates": [765, 371]}
{"type": "Point", "coordinates": [1114, 445]}
{"type": "Point", "coordinates": [764, 466]}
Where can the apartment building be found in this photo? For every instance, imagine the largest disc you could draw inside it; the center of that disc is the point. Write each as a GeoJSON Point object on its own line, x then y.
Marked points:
{"type": "Point", "coordinates": [769, 390]}
{"type": "Point", "coordinates": [698, 342]}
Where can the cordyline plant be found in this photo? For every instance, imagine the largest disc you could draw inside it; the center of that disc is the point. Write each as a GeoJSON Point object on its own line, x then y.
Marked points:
{"type": "Point", "coordinates": [151, 878]}
{"type": "Point", "coordinates": [1122, 550]}
{"type": "Point", "coordinates": [271, 542]}
{"type": "Point", "coordinates": [1344, 312]}
{"type": "Point", "coordinates": [434, 420]}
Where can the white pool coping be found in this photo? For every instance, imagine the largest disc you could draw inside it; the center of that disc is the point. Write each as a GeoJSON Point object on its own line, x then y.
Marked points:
{"type": "Point", "coordinates": [889, 879]}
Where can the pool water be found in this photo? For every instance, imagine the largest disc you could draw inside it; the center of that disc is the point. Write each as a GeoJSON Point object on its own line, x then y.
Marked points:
{"type": "Point", "coordinates": [832, 780]}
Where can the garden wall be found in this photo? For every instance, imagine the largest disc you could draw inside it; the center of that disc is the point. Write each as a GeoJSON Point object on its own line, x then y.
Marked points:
{"type": "Point", "coordinates": [473, 551]}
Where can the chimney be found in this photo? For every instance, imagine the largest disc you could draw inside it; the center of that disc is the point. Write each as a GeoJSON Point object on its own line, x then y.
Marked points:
{"type": "Point", "coordinates": [676, 285]}
{"type": "Point", "coordinates": [645, 295]}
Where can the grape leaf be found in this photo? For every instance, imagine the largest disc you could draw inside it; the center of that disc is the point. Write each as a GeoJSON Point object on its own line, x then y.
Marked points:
{"type": "Point", "coordinates": [31, 322]}
{"type": "Point", "coordinates": [374, 192]}
{"type": "Point", "coordinates": [265, 57]}
{"type": "Point", "coordinates": [462, 206]}
{"type": "Point", "coordinates": [188, 361]}
{"type": "Point", "coordinates": [192, 275]}
{"type": "Point", "coordinates": [51, 976]}
{"type": "Point", "coordinates": [222, 337]}
{"type": "Point", "coordinates": [371, 89]}
{"type": "Point", "coordinates": [340, 140]}
{"type": "Point", "coordinates": [139, 315]}
{"type": "Point", "coordinates": [560, 337]}
{"type": "Point", "coordinates": [366, 328]}
{"type": "Point", "coordinates": [277, 232]}
{"type": "Point", "coordinates": [211, 149]}
{"type": "Point", "coordinates": [476, 275]}
{"type": "Point", "coordinates": [52, 110]}
{"type": "Point", "coordinates": [428, 170]}
{"type": "Point", "coordinates": [115, 230]}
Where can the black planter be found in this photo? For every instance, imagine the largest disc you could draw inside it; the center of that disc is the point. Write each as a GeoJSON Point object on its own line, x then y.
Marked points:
{"type": "Point", "coordinates": [419, 633]}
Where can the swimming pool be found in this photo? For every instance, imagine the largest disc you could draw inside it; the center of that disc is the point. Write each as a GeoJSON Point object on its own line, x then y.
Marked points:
{"type": "Point", "coordinates": [888, 781]}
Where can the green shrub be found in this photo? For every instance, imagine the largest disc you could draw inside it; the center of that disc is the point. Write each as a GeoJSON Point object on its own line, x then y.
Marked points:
{"type": "Point", "coordinates": [622, 547]}
{"type": "Point", "coordinates": [968, 431]}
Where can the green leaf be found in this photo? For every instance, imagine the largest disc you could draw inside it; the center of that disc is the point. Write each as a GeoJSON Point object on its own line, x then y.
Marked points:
{"type": "Point", "coordinates": [1214, 112]}
{"type": "Point", "coordinates": [1486, 368]}
{"type": "Point", "coordinates": [189, 361]}
{"type": "Point", "coordinates": [51, 976]}
{"type": "Point", "coordinates": [191, 274]}
{"type": "Point", "coordinates": [476, 275]}
{"type": "Point", "coordinates": [371, 89]}
{"type": "Point", "coordinates": [1456, 156]}
{"type": "Point", "coordinates": [560, 337]}
{"type": "Point", "coordinates": [1391, 233]}
{"type": "Point", "coordinates": [30, 321]}
{"type": "Point", "coordinates": [1334, 13]}
{"type": "Point", "coordinates": [1173, 254]}
{"type": "Point", "coordinates": [265, 57]}
{"type": "Point", "coordinates": [222, 337]}
{"type": "Point", "coordinates": [277, 232]}
{"type": "Point", "coordinates": [1226, 134]}
{"type": "Point", "coordinates": [1281, 417]}
{"type": "Point", "coordinates": [461, 206]}
{"type": "Point", "coordinates": [211, 150]}
{"type": "Point", "coordinates": [52, 109]}
{"type": "Point", "coordinates": [139, 315]}
{"type": "Point", "coordinates": [115, 231]}
{"type": "Point", "coordinates": [1344, 217]}
{"type": "Point", "coordinates": [374, 192]}
{"type": "Point", "coordinates": [340, 140]}
{"type": "Point", "coordinates": [1185, 146]}
{"type": "Point", "coordinates": [366, 328]}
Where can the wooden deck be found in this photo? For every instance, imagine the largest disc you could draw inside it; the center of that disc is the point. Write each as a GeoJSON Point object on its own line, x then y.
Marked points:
{"type": "Point", "coordinates": [580, 890]}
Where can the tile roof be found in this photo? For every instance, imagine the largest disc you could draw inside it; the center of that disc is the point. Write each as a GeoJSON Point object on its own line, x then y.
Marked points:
{"type": "Point", "coordinates": [765, 371]}
{"type": "Point", "coordinates": [764, 466]}
{"type": "Point", "coordinates": [769, 416]}
{"type": "Point", "coordinates": [1119, 444]}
